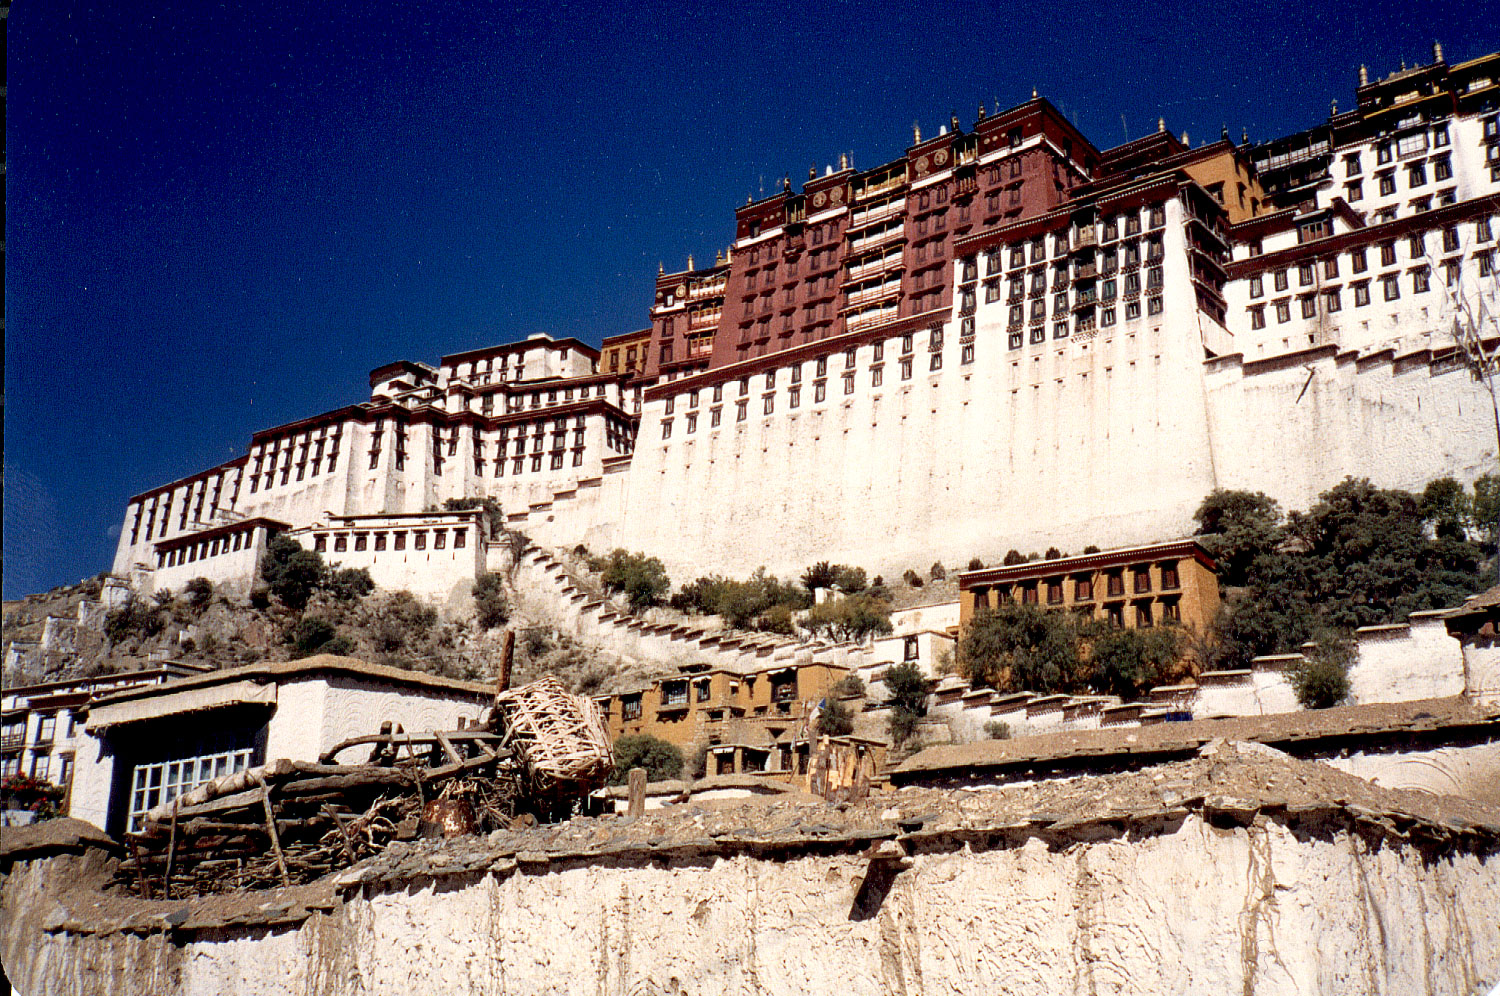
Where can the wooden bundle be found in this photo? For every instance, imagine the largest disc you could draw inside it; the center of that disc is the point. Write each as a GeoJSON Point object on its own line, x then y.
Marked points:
{"type": "Point", "coordinates": [559, 737]}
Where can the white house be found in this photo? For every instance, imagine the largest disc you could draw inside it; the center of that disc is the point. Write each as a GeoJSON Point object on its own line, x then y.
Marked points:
{"type": "Point", "coordinates": [146, 746]}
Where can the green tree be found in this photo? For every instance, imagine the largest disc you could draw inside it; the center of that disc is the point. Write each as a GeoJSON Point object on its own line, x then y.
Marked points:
{"type": "Point", "coordinates": [1237, 528]}
{"type": "Point", "coordinates": [853, 617]}
{"type": "Point", "coordinates": [641, 579]}
{"type": "Point", "coordinates": [1022, 647]}
{"type": "Point", "coordinates": [198, 592]}
{"type": "Point", "coordinates": [662, 760]}
{"type": "Point", "coordinates": [491, 608]}
{"type": "Point", "coordinates": [836, 719]}
{"type": "Point", "coordinates": [1486, 510]}
{"type": "Point", "coordinates": [1128, 662]}
{"type": "Point", "coordinates": [907, 690]}
{"type": "Point", "coordinates": [1447, 506]}
{"type": "Point", "coordinates": [1321, 679]}
{"type": "Point", "coordinates": [291, 572]}
{"type": "Point", "coordinates": [348, 584]}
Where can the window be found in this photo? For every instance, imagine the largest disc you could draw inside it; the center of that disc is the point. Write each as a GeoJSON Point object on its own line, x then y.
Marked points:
{"type": "Point", "coordinates": [399, 539]}
{"type": "Point", "coordinates": [1354, 191]}
{"type": "Point", "coordinates": [1283, 311]}
{"type": "Point", "coordinates": [1388, 254]}
{"type": "Point", "coordinates": [1387, 183]}
{"type": "Point", "coordinates": [1442, 169]}
{"type": "Point", "coordinates": [1392, 286]}
{"type": "Point", "coordinates": [1357, 261]}
{"type": "Point", "coordinates": [1054, 591]}
{"type": "Point", "coordinates": [714, 417]}
{"type": "Point", "coordinates": [1305, 275]}
{"type": "Point", "coordinates": [320, 543]}
{"type": "Point", "coordinates": [154, 784]}
{"type": "Point", "coordinates": [910, 649]}
{"type": "Point", "coordinates": [1416, 174]}
{"type": "Point", "coordinates": [1107, 317]}
{"type": "Point", "coordinates": [1330, 268]}
{"type": "Point", "coordinates": [419, 538]}
{"type": "Point", "coordinates": [1417, 245]}
{"type": "Point", "coordinates": [1257, 286]}
{"type": "Point", "coordinates": [1281, 280]}
{"type": "Point", "coordinates": [1143, 615]}
{"type": "Point", "coordinates": [741, 411]}
{"type": "Point", "coordinates": [1309, 306]}
{"type": "Point", "coordinates": [1361, 294]}
{"type": "Point", "coordinates": [1351, 164]}
{"type": "Point", "coordinates": [1450, 239]}
{"type": "Point", "coordinates": [341, 543]}
{"type": "Point", "coordinates": [666, 429]}
{"type": "Point", "coordinates": [1331, 301]}
{"type": "Point", "coordinates": [630, 707]}
{"type": "Point", "coordinates": [1083, 589]}
{"type": "Point", "coordinates": [361, 541]}
{"type": "Point", "coordinates": [380, 537]}
{"type": "Point", "coordinates": [1420, 280]}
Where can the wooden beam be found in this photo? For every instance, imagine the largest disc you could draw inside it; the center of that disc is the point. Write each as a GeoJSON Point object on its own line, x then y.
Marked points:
{"type": "Point", "coordinates": [636, 799]}
{"type": "Point", "coordinates": [265, 801]}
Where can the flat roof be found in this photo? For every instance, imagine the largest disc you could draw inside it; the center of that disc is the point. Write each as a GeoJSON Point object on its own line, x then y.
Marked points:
{"type": "Point", "coordinates": [308, 667]}
{"type": "Point", "coordinates": [1279, 730]}
{"type": "Point", "coordinates": [1121, 556]}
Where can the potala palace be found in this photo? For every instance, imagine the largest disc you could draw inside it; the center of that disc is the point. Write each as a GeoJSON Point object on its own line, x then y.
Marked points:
{"type": "Point", "coordinates": [1005, 338]}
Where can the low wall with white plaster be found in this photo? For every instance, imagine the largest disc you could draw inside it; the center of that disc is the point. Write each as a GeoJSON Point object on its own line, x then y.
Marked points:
{"type": "Point", "coordinates": [1193, 908]}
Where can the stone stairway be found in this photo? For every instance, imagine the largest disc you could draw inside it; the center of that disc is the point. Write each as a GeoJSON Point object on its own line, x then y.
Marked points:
{"type": "Point", "coordinates": [551, 588]}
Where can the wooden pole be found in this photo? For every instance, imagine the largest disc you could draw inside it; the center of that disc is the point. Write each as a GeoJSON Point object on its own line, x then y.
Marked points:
{"type": "Point", "coordinates": [166, 884]}
{"type": "Point", "coordinates": [265, 801]}
{"type": "Point", "coordinates": [140, 866]}
{"type": "Point", "coordinates": [502, 674]}
{"type": "Point", "coordinates": [636, 804]}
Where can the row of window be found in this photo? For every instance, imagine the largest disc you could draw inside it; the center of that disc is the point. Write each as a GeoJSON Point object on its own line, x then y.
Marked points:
{"type": "Point", "coordinates": [280, 454]}
{"type": "Point", "coordinates": [1332, 297]}
{"type": "Point", "coordinates": [1112, 226]}
{"type": "Point", "coordinates": [152, 785]}
{"type": "Point", "coordinates": [1417, 247]}
{"type": "Point", "coordinates": [204, 549]}
{"type": "Point", "coordinates": [160, 509]}
{"type": "Point", "coordinates": [364, 538]}
{"type": "Point", "coordinates": [553, 396]}
{"type": "Point", "coordinates": [40, 768]}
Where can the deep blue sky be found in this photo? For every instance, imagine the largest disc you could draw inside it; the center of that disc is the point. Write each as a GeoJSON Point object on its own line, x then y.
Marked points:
{"type": "Point", "coordinates": [222, 216]}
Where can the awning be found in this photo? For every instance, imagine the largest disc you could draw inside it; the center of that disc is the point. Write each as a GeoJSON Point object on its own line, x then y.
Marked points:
{"type": "Point", "coordinates": [188, 700]}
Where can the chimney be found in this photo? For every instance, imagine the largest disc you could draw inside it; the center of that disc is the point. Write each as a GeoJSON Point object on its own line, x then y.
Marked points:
{"type": "Point", "coordinates": [1185, 139]}
{"type": "Point", "coordinates": [1161, 124]}
{"type": "Point", "coordinates": [981, 110]}
{"type": "Point", "coordinates": [916, 133]}
{"type": "Point", "coordinates": [953, 121]}
{"type": "Point", "coordinates": [843, 161]}
{"type": "Point", "coordinates": [812, 171]}
{"type": "Point", "coordinates": [1364, 76]}
{"type": "Point", "coordinates": [942, 129]}
{"type": "Point", "coordinates": [827, 170]}
{"type": "Point", "coordinates": [1437, 51]}
{"type": "Point", "coordinates": [690, 263]}
{"type": "Point", "coordinates": [660, 269]}
{"type": "Point", "coordinates": [1334, 108]}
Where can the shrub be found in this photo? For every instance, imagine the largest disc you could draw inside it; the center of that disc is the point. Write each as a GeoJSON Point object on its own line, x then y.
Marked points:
{"type": "Point", "coordinates": [291, 573]}
{"type": "Point", "coordinates": [1091, 548]}
{"type": "Point", "coordinates": [1053, 553]}
{"type": "Point", "coordinates": [975, 564]}
{"type": "Point", "coordinates": [491, 608]}
{"type": "Point", "coordinates": [494, 515]}
{"type": "Point", "coordinates": [641, 579]}
{"type": "Point", "coordinates": [849, 686]}
{"type": "Point", "coordinates": [187, 645]}
{"type": "Point", "coordinates": [198, 592]}
{"type": "Point", "coordinates": [1321, 679]}
{"type": "Point", "coordinates": [310, 635]}
{"type": "Point", "coordinates": [133, 619]}
{"type": "Point", "coordinates": [535, 641]}
{"type": "Point", "coordinates": [662, 760]}
{"type": "Point", "coordinates": [912, 578]}
{"type": "Point", "coordinates": [835, 720]}
{"type": "Point", "coordinates": [1013, 557]}
{"type": "Point", "coordinates": [339, 646]}
{"type": "Point", "coordinates": [349, 584]}
{"type": "Point", "coordinates": [937, 572]}
{"type": "Point", "coordinates": [997, 729]}
{"type": "Point", "coordinates": [776, 619]}
{"type": "Point", "coordinates": [403, 621]}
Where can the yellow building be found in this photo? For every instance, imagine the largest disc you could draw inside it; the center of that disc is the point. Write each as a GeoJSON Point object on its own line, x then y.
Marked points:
{"type": "Point", "coordinates": [714, 705]}
{"type": "Point", "coordinates": [625, 353]}
{"type": "Point", "coordinates": [1132, 587]}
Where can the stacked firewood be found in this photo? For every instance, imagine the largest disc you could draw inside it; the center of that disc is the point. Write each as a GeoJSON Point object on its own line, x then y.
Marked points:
{"type": "Point", "coordinates": [290, 822]}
